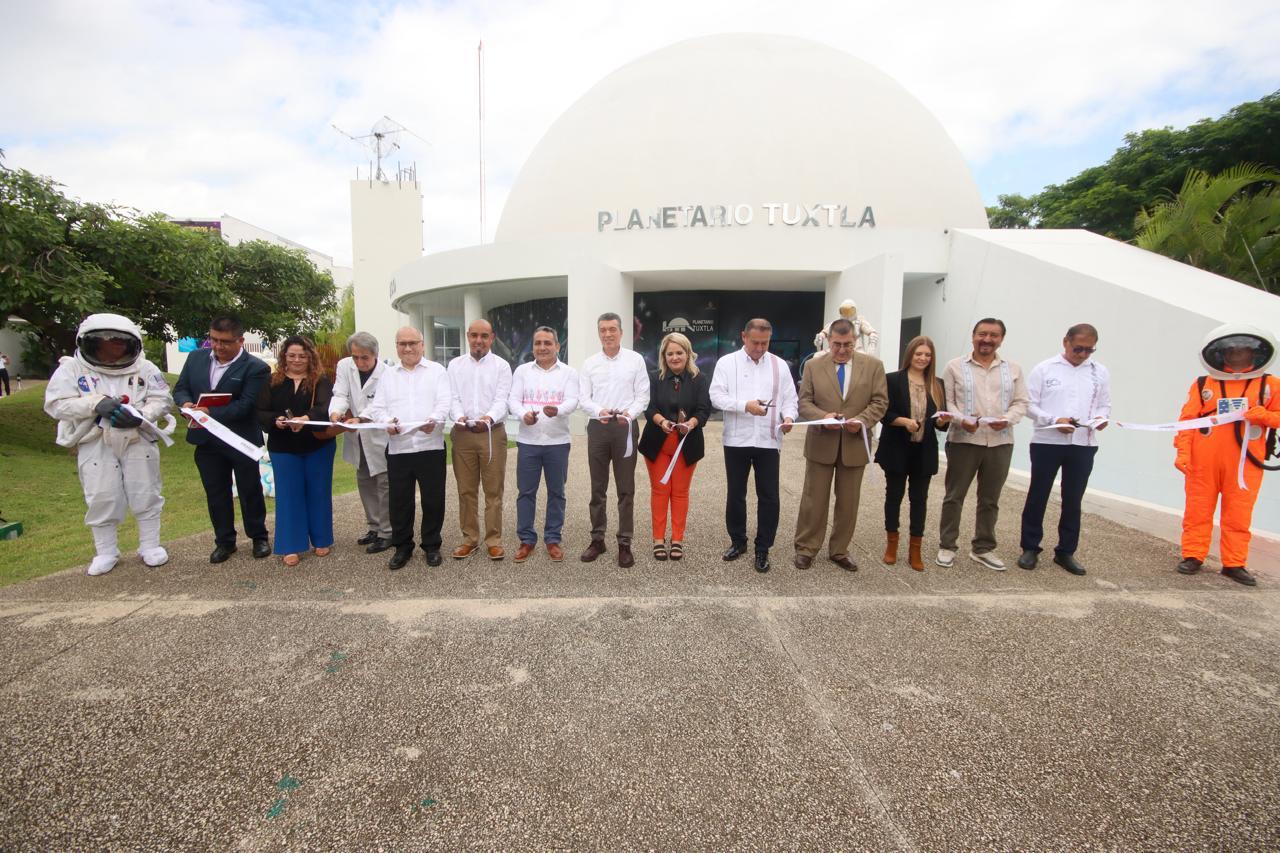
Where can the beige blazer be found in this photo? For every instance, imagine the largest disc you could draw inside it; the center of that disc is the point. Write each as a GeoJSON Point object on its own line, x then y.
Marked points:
{"type": "Point", "coordinates": [867, 400]}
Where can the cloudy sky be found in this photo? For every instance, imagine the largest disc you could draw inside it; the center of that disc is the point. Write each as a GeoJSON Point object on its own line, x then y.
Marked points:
{"type": "Point", "coordinates": [198, 109]}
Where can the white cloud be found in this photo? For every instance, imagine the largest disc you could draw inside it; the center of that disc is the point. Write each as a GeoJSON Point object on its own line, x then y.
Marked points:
{"type": "Point", "coordinates": [204, 108]}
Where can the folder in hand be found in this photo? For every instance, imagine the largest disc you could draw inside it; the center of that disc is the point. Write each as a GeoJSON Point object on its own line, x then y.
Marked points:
{"type": "Point", "coordinates": [213, 400]}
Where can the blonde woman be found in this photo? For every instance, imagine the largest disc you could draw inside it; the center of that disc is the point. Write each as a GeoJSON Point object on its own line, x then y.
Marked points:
{"type": "Point", "coordinates": [679, 405]}
{"type": "Point", "coordinates": [908, 450]}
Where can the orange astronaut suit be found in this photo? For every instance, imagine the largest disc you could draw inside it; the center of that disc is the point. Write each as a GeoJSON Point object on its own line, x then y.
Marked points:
{"type": "Point", "coordinates": [1211, 464]}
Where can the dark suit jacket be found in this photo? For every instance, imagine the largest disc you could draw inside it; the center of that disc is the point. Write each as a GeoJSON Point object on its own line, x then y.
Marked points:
{"type": "Point", "coordinates": [895, 441]}
{"type": "Point", "coordinates": [243, 380]}
{"type": "Point", "coordinates": [820, 394]}
{"type": "Point", "coordinates": [694, 397]}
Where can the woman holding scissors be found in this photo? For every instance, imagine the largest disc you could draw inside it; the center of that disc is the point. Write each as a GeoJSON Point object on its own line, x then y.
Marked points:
{"type": "Point", "coordinates": [301, 457]}
{"type": "Point", "coordinates": [672, 443]}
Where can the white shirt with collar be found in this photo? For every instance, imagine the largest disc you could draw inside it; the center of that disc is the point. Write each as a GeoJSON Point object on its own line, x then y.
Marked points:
{"type": "Point", "coordinates": [532, 388]}
{"type": "Point", "coordinates": [1059, 389]}
{"type": "Point", "coordinates": [621, 382]}
{"type": "Point", "coordinates": [738, 380]}
{"type": "Point", "coordinates": [217, 368]}
{"type": "Point", "coordinates": [480, 387]}
{"type": "Point", "coordinates": [419, 393]}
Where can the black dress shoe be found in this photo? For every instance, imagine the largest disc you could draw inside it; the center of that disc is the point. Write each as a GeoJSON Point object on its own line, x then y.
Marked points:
{"type": "Point", "coordinates": [221, 553]}
{"type": "Point", "coordinates": [400, 558]}
{"type": "Point", "coordinates": [1189, 566]}
{"type": "Point", "coordinates": [733, 552]}
{"type": "Point", "coordinates": [1028, 559]}
{"type": "Point", "coordinates": [433, 557]}
{"type": "Point", "coordinates": [261, 548]}
{"type": "Point", "coordinates": [378, 545]}
{"type": "Point", "coordinates": [762, 561]}
{"type": "Point", "coordinates": [368, 539]}
{"type": "Point", "coordinates": [1068, 562]}
{"type": "Point", "coordinates": [845, 562]}
{"type": "Point", "coordinates": [1240, 574]}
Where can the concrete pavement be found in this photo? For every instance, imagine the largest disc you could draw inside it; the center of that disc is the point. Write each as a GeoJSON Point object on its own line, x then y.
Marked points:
{"type": "Point", "coordinates": [693, 704]}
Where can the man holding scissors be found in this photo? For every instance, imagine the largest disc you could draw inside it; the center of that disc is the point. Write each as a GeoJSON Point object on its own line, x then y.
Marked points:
{"type": "Point", "coordinates": [1070, 400]}
{"type": "Point", "coordinates": [754, 389]}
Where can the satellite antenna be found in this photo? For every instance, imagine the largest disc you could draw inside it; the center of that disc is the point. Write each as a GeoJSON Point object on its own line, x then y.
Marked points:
{"type": "Point", "coordinates": [383, 139]}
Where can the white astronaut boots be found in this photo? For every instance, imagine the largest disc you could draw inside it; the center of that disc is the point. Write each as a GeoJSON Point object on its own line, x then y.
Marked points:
{"type": "Point", "coordinates": [149, 543]}
{"type": "Point", "coordinates": [104, 540]}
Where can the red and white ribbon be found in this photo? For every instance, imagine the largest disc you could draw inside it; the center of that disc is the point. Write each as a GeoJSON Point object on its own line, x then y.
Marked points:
{"type": "Point", "coordinates": [220, 431]}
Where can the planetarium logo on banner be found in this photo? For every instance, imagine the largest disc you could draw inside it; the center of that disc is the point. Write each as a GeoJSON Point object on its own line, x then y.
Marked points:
{"type": "Point", "coordinates": [727, 215]}
{"type": "Point", "coordinates": [685, 327]}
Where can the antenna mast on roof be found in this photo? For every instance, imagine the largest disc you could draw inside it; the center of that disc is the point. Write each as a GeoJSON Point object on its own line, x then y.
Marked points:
{"type": "Point", "coordinates": [383, 140]}
{"type": "Point", "coordinates": [480, 99]}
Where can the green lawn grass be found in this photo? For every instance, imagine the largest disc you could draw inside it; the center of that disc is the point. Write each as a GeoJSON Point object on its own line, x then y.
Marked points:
{"type": "Point", "coordinates": [39, 487]}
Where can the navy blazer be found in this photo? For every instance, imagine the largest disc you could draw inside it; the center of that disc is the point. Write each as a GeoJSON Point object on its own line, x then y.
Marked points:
{"type": "Point", "coordinates": [243, 381]}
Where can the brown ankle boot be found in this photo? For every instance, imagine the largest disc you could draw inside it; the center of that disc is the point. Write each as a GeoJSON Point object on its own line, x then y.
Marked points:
{"type": "Point", "coordinates": [913, 553]}
{"type": "Point", "coordinates": [891, 549]}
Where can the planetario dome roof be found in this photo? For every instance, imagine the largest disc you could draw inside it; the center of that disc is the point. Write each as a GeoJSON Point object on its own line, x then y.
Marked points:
{"type": "Point", "coordinates": [743, 120]}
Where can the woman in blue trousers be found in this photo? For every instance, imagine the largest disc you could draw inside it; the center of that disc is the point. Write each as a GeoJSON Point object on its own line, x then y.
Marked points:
{"type": "Point", "coordinates": [301, 456]}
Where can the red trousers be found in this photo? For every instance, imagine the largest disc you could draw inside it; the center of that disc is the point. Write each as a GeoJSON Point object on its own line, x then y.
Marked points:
{"type": "Point", "coordinates": [675, 492]}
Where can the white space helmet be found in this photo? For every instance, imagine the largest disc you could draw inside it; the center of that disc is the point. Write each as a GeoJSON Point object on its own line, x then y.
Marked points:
{"type": "Point", "coordinates": [1223, 351]}
{"type": "Point", "coordinates": [108, 342]}
{"type": "Point", "coordinates": [848, 309]}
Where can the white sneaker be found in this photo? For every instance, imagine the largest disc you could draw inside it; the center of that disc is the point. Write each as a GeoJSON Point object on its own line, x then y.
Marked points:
{"type": "Point", "coordinates": [153, 557]}
{"type": "Point", "coordinates": [989, 559]}
{"type": "Point", "coordinates": [946, 558]}
{"type": "Point", "coordinates": [102, 565]}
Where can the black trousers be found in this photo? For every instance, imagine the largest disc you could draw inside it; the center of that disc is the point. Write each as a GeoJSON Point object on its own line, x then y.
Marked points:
{"type": "Point", "coordinates": [738, 462]}
{"type": "Point", "coordinates": [1076, 464]}
{"type": "Point", "coordinates": [217, 464]}
{"type": "Point", "coordinates": [916, 488]}
{"type": "Point", "coordinates": [426, 470]}
{"type": "Point", "coordinates": [4, 382]}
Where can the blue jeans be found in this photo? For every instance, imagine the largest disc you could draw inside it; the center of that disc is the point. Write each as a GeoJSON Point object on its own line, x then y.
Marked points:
{"type": "Point", "coordinates": [304, 499]}
{"type": "Point", "coordinates": [532, 461]}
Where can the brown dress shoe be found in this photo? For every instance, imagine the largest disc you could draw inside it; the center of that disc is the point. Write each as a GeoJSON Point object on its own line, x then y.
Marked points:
{"type": "Point", "coordinates": [845, 562]}
{"type": "Point", "coordinates": [496, 552]}
{"type": "Point", "coordinates": [555, 552]}
{"type": "Point", "coordinates": [523, 552]}
{"type": "Point", "coordinates": [594, 550]}
{"type": "Point", "coordinates": [803, 561]}
{"type": "Point", "coordinates": [625, 558]}
{"type": "Point", "coordinates": [464, 550]}
{"type": "Point", "coordinates": [890, 549]}
{"type": "Point", "coordinates": [913, 553]}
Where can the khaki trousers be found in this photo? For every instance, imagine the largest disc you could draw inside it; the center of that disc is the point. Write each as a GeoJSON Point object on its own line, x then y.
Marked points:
{"type": "Point", "coordinates": [991, 466]}
{"type": "Point", "coordinates": [374, 492]}
{"type": "Point", "coordinates": [472, 468]}
{"type": "Point", "coordinates": [811, 525]}
{"type": "Point", "coordinates": [606, 444]}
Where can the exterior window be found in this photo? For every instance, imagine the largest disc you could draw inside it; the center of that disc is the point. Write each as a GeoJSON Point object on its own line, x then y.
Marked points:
{"type": "Point", "coordinates": [448, 343]}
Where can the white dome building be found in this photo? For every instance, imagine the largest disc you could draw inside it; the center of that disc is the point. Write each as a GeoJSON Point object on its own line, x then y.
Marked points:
{"type": "Point", "coordinates": [735, 176]}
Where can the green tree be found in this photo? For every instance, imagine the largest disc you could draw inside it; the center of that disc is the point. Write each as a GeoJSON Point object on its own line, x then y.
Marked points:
{"type": "Point", "coordinates": [61, 259]}
{"type": "Point", "coordinates": [1151, 165]}
{"type": "Point", "coordinates": [1215, 224]}
{"type": "Point", "coordinates": [1013, 211]}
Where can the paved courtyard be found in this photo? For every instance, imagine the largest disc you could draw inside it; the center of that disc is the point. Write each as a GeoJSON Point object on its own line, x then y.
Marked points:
{"type": "Point", "coordinates": [687, 705]}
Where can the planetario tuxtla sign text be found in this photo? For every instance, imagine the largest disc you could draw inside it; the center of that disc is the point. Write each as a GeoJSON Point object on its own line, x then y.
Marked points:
{"type": "Point", "coordinates": [728, 215]}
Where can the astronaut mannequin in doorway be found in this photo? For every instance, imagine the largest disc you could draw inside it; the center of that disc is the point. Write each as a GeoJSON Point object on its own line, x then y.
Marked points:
{"type": "Point", "coordinates": [1236, 357]}
{"type": "Point", "coordinates": [865, 337]}
{"type": "Point", "coordinates": [90, 395]}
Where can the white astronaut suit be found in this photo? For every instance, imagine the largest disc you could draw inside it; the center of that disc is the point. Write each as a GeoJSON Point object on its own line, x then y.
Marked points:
{"type": "Point", "coordinates": [118, 463]}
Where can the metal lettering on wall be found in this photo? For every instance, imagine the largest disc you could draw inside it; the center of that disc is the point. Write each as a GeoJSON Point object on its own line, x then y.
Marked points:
{"type": "Point", "coordinates": [729, 215]}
